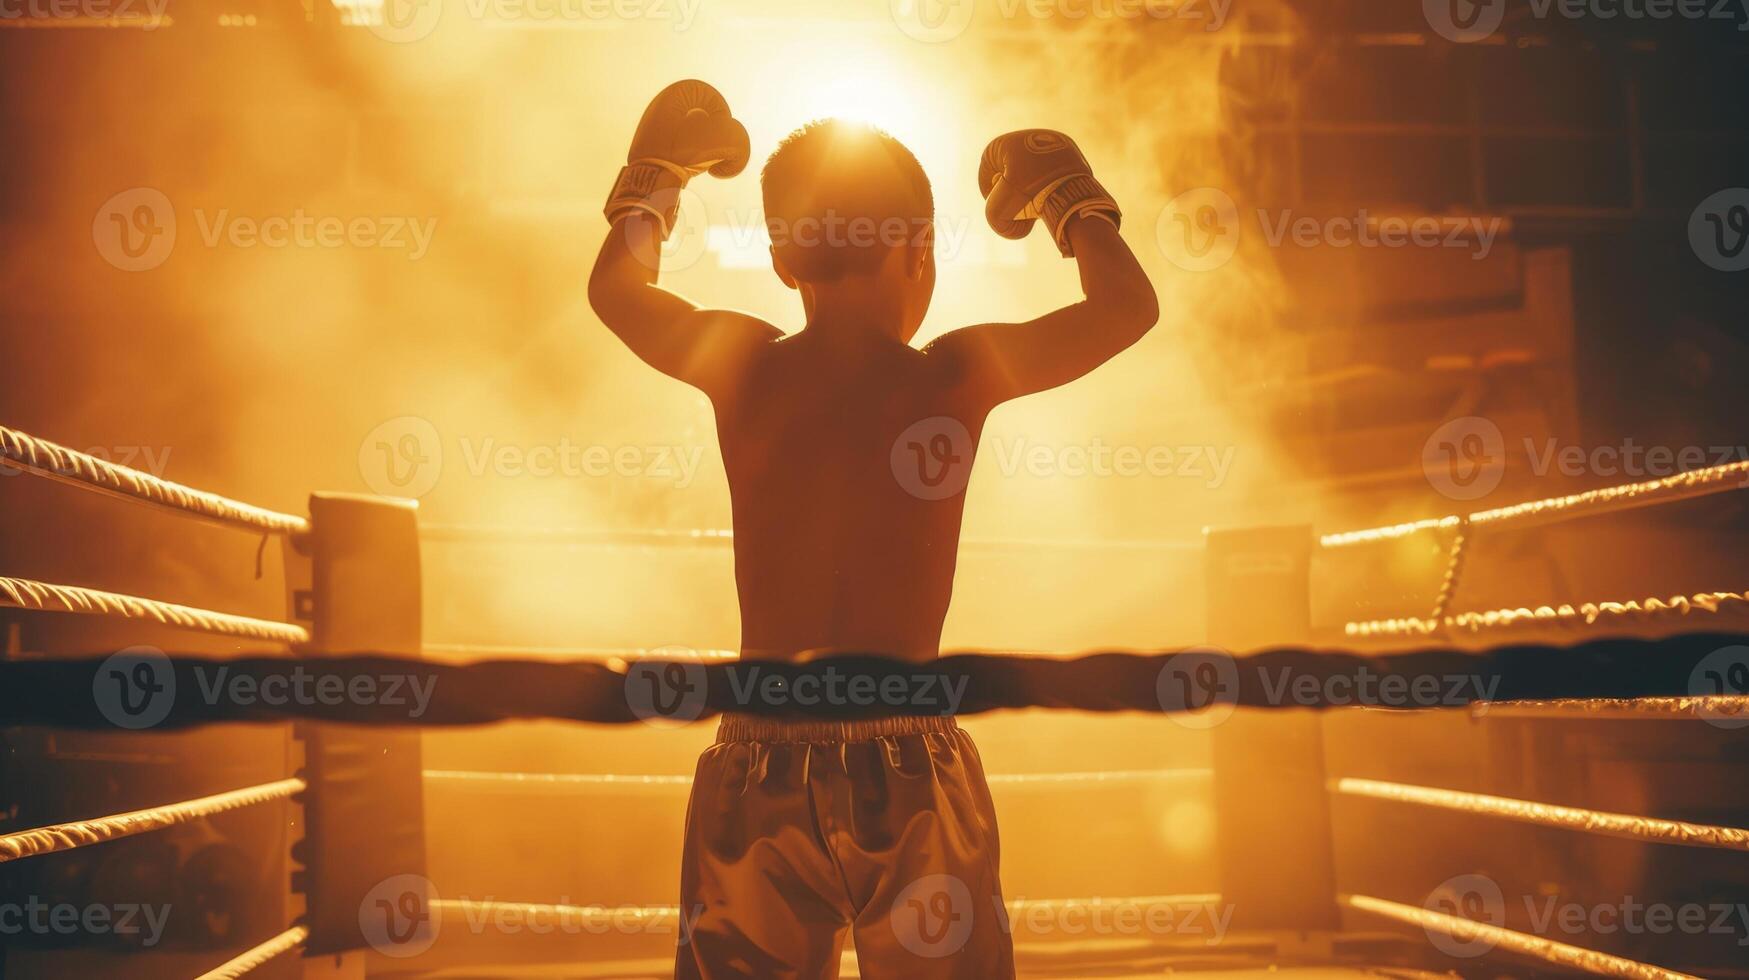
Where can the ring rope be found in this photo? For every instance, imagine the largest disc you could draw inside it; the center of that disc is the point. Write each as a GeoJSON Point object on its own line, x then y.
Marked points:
{"type": "Point", "coordinates": [620, 780]}
{"type": "Point", "coordinates": [1651, 829]}
{"type": "Point", "coordinates": [80, 833]}
{"type": "Point", "coordinates": [44, 458]}
{"type": "Point", "coordinates": [57, 692]}
{"type": "Point", "coordinates": [1710, 706]}
{"type": "Point", "coordinates": [249, 959]}
{"type": "Point", "coordinates": [1682, 486]}
{"type": "Point", "coordinates": [1547, 950]}
{"type": "Point", "coordinates": [1565, 615]}
{"type": "Point", "coordinates": [19, 593]}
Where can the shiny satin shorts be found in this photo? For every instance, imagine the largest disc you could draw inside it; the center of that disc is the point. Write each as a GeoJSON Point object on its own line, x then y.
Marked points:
{"type": "Point", "coordinates": [801, 833]}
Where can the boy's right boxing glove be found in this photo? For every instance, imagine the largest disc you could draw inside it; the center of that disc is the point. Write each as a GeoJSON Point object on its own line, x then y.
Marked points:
{"type": "Point", "coordinates": [1039, 173]}
{"type": "Point", "coordinates": [686, 130]}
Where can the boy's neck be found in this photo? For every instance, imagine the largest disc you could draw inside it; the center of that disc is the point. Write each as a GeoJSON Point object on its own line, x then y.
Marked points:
{"type": "Point", "coordinates": [855, 307]}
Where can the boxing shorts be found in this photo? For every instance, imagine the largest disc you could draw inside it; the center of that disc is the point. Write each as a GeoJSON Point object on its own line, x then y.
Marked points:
{"type": "Point", "coordinates": [801, 833]}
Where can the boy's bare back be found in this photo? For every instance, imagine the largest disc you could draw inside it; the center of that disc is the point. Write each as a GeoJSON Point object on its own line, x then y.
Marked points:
{"type": "Point", "coordinates": [846, 456]}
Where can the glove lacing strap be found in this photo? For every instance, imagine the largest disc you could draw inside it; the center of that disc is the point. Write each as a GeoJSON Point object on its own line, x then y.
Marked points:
{"type": "Point", "coordinates": [1070, 196]}
{"type": "Point", "coordinates": [649, 185]}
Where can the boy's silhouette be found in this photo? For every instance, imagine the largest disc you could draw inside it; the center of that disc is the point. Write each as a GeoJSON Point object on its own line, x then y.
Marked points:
{"type": "Point", "coordinates": [847, 452]}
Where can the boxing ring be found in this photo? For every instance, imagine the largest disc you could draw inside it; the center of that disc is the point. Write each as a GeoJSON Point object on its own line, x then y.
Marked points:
{"type": "Point", "coordinates": [353, 611]}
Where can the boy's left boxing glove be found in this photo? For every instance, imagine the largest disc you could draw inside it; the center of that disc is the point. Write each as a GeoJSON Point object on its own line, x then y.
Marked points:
{"type": "Point", "coordinates": [686, 131]}
{"type": "Point", "coordinates": [1039, 173]}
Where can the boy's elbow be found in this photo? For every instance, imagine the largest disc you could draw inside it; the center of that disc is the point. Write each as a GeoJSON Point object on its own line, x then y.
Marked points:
{"type": "Point", "coordinates": [1146, 311]}
{"type": "Point", "coordinates": [1135, 310]}
{"type": "Point", "coordinates": [1127, 304]}
{"type": "Point", "coordinates": [604, 297]}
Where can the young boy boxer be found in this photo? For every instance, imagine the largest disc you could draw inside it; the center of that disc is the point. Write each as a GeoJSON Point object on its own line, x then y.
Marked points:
{"type": "Point", "coordinates": [847, 452]}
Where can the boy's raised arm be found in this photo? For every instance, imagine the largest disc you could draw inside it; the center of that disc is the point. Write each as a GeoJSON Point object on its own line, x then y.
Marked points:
{"type": "Point", "coordinates": [686, 130]}
{"type": "Point", "coordinates": [1035, 174]}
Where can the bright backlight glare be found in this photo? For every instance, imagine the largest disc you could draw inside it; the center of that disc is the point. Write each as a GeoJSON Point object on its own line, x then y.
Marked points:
{"type": "Point", "coordinates": [861, 81]}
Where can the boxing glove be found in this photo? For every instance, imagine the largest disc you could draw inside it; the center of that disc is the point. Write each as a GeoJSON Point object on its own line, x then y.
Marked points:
{"type": "Point", "coordinates": [686, 131]}
{"type": "Point", "coordinates": [1039, 173]}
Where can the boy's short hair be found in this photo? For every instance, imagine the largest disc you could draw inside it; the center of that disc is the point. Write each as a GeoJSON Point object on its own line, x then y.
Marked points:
{"type": "Point", "coordinates": [838, 195]}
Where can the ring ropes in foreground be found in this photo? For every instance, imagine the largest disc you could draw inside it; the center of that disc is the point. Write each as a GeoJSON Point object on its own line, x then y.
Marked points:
{"type": "Point", "coordinates": [1714, 707]}
{"type": "Point", "coordinates": [246, 961]}
{"type": "Point", "coordinates": [1693, 483]}
{"type": "Point", "coordinates": [60, 692]}
{"type": "Point", "coordinates": [1723, 478]}
{"type": "Point", "coordinates": [1548, 950]}
{"type": "Point", "coordinates": [22, 593]}
{"type": "Point", "coordinates": [57, 462]}
{"type": "Point", "coordinates": [1564, 615]}
{"type": "Point", "coordinates": [1649, 829]}
{"type": "Point", "coordinates": [81, 833]}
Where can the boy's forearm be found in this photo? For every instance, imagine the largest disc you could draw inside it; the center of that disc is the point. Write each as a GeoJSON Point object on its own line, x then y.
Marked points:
{"type": "Point", "coordinates": [616, 266]}
{"type": "Point", "coordinates": [1111, 279]}
{"type": "Point", "coordinates": [622, 283]}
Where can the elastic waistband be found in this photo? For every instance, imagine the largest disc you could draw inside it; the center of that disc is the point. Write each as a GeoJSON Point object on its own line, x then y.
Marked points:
{"type": "Point", "coordinates": [754, 728]}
